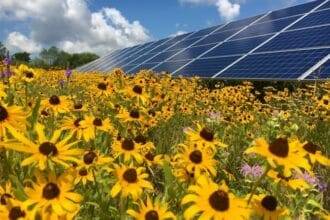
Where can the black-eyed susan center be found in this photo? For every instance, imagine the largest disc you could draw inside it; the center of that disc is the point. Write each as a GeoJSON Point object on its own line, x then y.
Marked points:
{"type": "Point", "coordinates": [4, 197]}
{"type": "Point", "coordinates": [102, 86]}
{"type": "Point", "coordinates": [78, 106]}
{"type": "Point", "coordinates": [219, 200]}
{"type": "Point", "coordinates": [130, 175]}
{"type": "Point", "coordinates": [151, 215]}
{"type": "Point", "coordinates": [97, 122]}
{"type": "Point", "coordinates": [280, 147]}
{"type": "Point", "coordinates": [28, 74]}
{"type": "Point", "coordinates": [134, 114]}
{"type": "Point", "coordinates": [3, 113]}
{"type": "Point", "coordinates": [77, 122]}
{"type": "Point", "coordinates": [83, 172]}
{"type": "Point", "coordinates": [54, 100]}
{"type": "Point", "coordinates": [89, 157]}
{"type": "Point", "coordinates": [50, 191]}
{"type": "Point", "coordinates": [269, 203]}
{"type": "Point", "coordinates": [149, 156]}
{"type": "Point", "coordinates": [206, 134]}
{"type": "Point", "coordinates": [140, 139]}
{"type": "Point", "coordinates": [16, 213]}
{"type": "Point", "coordinates": [311, 148]}
{"type": "Point", "coordinates": [137, 89]}
{"type": "Point", "coordinates": [48, 149]}
{"type": "Point", "coordinates": [196, 156]}
{"type": "Point", "coordinates": [127, 144]}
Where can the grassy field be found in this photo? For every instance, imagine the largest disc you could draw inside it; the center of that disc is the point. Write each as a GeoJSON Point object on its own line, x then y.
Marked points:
{"type": "Point", "coordinates": [94, 146]}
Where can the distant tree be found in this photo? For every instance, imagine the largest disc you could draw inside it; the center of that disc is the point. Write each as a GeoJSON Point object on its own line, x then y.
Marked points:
{"type": "Point", "coordinates": [49, 55]}
{"type": "Point", "coordinates": [79, 59]}
{"type": "Point", "coordinates": [3, 51]}
{"type": "Point", "coordinates": [21, 57]}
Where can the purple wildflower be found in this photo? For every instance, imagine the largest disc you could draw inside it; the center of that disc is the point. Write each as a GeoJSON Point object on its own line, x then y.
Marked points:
{"type": "Point", "coordinates": [254, 171]}
{"type": "Point", "coordinates": [7, 61]}
{"type": "Point", "coordinates": [68, 73]}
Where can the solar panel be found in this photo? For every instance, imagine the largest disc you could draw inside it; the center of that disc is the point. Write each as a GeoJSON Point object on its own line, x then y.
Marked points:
{"type": "Point", "coordinates": [291, 43]}
{"type": "Point", "coordinates": [322, 72]}
{"type": "Point", "coordinates": [275, 65]}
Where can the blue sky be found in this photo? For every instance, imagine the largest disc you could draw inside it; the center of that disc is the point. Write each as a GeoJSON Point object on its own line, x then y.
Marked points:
{"type": "Point", "coordinates": [77, 25]}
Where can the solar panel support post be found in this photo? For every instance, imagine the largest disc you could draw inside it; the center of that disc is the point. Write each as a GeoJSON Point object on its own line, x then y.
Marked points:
{"type": "Point", "coordinates": [315, 67]}
{"type": "Point", "coordinates": [271, 38]}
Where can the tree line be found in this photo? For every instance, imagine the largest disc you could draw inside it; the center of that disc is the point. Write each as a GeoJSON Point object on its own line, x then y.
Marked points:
{"type": "Point", "coordinates": [50, 58]}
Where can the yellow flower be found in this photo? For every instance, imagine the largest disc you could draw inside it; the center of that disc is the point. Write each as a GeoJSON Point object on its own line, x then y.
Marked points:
{"type": "Point", "coordinates": [281, 152]}
{"type": "Point", "coordinates": [127, 148]}
{"type": "Point", "coordinates": [15, 209]}
{"type": "Point", "coordinates": [53, 195]}
{"type": "Point", "coordinates": [267, 207]}
{"type": "Point", "coordinates": [131, 181]}
{"type": "Point", "coordinates": [196, 160]}
{"type": "Point", "coordinates": [314, 153]}
{"type": "Point", "coordinates": [92, 124]}
{"type": "Point", "coordinates": [44, 149]}
{"type": "Point", "coordinates": [25, 73]}
{"type": "Point", "coordinates": [204, 137]}
{"type": "Point", "coordinates": [57, 104]}
{"type": "Point", "coordinates": [11, 116]}
{"type": "Point", "coordinates": [291, 182]}
{"type": "Point", "coordinates": [151, 210]}
{"type": "Point", "coordinates": [211, 201]}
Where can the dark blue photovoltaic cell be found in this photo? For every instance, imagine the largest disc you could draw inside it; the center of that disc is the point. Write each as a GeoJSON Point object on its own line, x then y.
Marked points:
{"type": "Point", "coordinates": [237, 46]}
{"type": "Point", "coordinates": [216, 38]}
{"type": "Point", "coordinates": [266, 28]}
{"type": "Point", "coordinates": [143, 58]}
{"type": "Point", "coordinates": [206, 67]}
{"type": "Point", "coordinates": [191, 52]}
{"type": "Point", "coordinates": [280, 65]}
{"type": "Point", "coordinates": [313, 19]}
{"type": "Point", "coordinates": [163, 56]}
{"type": "Point", "coordinates": [203, 32]}
{"type": "Point", "coordinates": [183, 44]}
{"type": "Point", "coordinates": [321, 73]}
{"type": "Point", "coordinates": [312, 37]}
{"type": "Point", "coordinates": [295, 10]}
{"type": "Point", "coordinates": [170, 43]}
{"type": "Point", "coordinates": [240, 23]}
{"type": "Point", "coordinates": [137, 68]}
{"type": "Point", "coordinates": [170, 66]}
{"type": "Point", "coordinates": [325, 6]}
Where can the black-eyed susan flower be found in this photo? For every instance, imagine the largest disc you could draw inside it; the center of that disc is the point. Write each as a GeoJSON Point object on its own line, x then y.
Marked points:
{"type": "Point", "coordinates": [12, 116]}
{"type": "Point", "coordinates": [138, 92]}
{"type": "Point", "coordinates": [15, 210]}
{"type": "Point", "coordinates": [289, 181]}
{"type": "Point", "coordinates": [92, 124]}
{"type": "Point", "coordinates": [93, 158]}
{"type": "Point", "coordinates": [53, 195]}
{"type": "Point", "coordinates": [82, 174]}
{"type": "Point", "coordinates": [268, 207]}
{"type": "Point", "coordinates": [128, 149]}
{"type": "Point", "coordinates": [131, 181]}
{"type": "Point", "coordinates": [281, 152]}
{"type": "Point", "coordinates": [203, 136]}
{"type": "Point", "coordinates": [57, 104]}
{"type": "Point", "coordinates": [314, 153]}
{"type": "Point", "coordinates": [25, 73]}
{"type": "Point", "coordinates": [196, 159]}
{"type": "Point", "coordinates": [44, 149]}
{"type": "Point", "coordinates": [151, 211]}
{"type": "Point", "coordinates": [6, 193]}
{"type": "Point", "coordinates": [209, 200]}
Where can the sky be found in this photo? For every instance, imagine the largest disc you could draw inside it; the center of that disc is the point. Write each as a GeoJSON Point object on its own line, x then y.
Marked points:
{"type": "Point", "coordinates": [100, 26]}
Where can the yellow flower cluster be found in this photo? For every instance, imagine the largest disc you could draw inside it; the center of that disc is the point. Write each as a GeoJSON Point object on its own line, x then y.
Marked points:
{"type": "Point", "coordinates": [150, 146]}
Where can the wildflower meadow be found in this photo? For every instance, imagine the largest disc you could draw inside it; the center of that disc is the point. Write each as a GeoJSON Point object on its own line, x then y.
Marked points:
{"type": "Point", "coordinates": [151, 146]}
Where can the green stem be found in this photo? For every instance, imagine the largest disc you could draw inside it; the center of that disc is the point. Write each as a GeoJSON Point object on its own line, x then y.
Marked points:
{"type": "Point", "coordinates": [253, 190]}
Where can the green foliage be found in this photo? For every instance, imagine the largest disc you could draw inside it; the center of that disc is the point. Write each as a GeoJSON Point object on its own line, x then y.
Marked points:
{"type": "Point", "coordinates": [21, 57]}
{"type": "Point", "coordinates": [3, 51]}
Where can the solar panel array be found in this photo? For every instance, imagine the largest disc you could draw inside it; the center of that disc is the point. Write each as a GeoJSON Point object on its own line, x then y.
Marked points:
{"type": "Point", "coordinates": [287, 44]}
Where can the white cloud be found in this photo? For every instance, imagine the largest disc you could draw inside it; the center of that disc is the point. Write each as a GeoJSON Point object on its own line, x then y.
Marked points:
{"type": "Point", "coordinates": [17, 41]}
{"type": "Point", "coordinates": [178, 33]}
{"type": "Point", "coordinates": [70, 25]}
{"type": "Point", "coordinates": [226, 8]}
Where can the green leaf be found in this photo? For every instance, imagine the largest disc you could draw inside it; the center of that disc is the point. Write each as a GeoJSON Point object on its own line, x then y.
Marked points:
{"type": "Point", "coordinates": [19, 191]}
